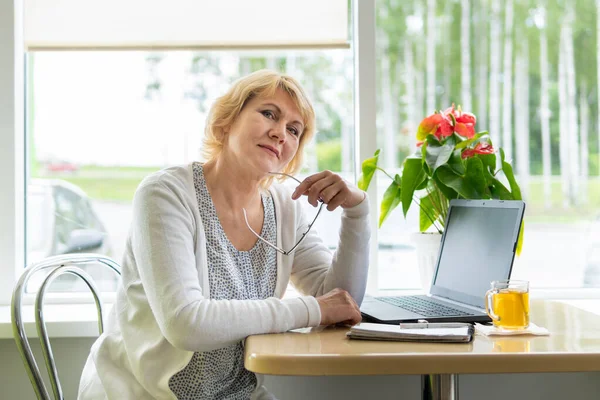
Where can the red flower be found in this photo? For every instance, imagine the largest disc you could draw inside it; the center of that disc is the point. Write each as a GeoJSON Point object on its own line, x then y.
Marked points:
{"type": "Point", "coordinates": [429, 126]}
{"type": "Point", "coordinates": [465, 122]}
{"type": "Point", "coordinates": [446, 123]}
{"type": "Point", "coordinates": [480, 148]}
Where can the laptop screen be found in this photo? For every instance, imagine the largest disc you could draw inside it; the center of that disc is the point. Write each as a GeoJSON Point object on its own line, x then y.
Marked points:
{"type": "Point", "coordinates": [478, 247]}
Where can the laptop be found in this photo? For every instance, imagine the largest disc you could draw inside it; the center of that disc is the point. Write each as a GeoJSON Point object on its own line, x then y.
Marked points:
{"type": "Point", "coordinates": [478, 246]}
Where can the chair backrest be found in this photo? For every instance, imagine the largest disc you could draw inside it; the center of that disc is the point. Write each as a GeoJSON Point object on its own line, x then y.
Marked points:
{"type": "Point", "coordinates": [54, 266]}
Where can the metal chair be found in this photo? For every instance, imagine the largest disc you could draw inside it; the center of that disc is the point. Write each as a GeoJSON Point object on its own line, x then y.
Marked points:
{"type": "Point", "coordinates": [57, 266]}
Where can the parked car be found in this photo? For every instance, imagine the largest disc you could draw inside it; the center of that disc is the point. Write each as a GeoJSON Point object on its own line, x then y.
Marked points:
{"type": "Point", "coordinates": [61, 220]}
{"type": "Point", "coordinates": [61, 166]}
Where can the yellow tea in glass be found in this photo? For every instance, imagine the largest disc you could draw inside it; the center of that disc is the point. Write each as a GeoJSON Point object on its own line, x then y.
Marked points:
{"type": "Point", "coordinates": [507, 304]}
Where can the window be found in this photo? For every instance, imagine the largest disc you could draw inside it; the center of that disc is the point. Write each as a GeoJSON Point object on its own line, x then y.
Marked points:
{"type": "Point", "coordinates": [101, 121]}
{"type": "Point", "coordinates": [421, 64]}
{"type": "Point", "coordinates": [97, 173]}
{"type": "Point", "coordinates": [533, 86]}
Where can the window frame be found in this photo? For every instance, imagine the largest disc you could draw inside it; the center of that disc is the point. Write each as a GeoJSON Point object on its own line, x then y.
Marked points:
{"type": "Point", "coordinates": [365, 114]}
{"type": "Point", "coordinates": [13, 144]}
{"type": "Point", "coordinates": [12, 147]}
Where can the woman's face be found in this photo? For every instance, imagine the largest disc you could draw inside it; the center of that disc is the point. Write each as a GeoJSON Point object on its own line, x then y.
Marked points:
{"type": "Point", "coordinates": [267, 132]}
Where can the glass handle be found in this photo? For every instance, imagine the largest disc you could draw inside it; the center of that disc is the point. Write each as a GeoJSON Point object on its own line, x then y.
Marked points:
{"type": "Point", "coordinates": [489, 308]}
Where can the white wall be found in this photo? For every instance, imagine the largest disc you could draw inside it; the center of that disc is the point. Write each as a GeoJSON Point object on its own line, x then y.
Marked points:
{"type": "Point", "coordinates": [71, 354]}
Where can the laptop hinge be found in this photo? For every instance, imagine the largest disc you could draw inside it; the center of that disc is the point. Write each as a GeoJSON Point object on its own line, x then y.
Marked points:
{"type": "Point", "coordinates": [463, 305]}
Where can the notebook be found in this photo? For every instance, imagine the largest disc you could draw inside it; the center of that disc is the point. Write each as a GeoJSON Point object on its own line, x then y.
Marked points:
{"type": "Point", "coordinates": [417, 332]}
{"type": "Point", "coordinates": [477, 247]}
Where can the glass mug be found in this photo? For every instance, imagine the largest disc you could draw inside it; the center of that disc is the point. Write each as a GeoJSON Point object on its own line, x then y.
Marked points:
{"type": "Point", "coordinates": [511, 345]}
{"type": "Point", "coordinates": [507, 304]}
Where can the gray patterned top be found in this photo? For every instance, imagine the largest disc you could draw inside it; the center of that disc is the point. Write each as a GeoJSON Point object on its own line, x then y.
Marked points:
{"type": "Point", "coordinates": [233, 274]}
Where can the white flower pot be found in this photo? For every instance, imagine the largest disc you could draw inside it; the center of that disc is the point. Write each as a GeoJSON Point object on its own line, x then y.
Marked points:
{"type": "Point", "coordinates": [428, 247]}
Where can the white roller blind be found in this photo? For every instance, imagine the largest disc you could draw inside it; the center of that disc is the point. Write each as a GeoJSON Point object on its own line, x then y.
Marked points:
{"type": "Point", "coordinates": [185, 24]}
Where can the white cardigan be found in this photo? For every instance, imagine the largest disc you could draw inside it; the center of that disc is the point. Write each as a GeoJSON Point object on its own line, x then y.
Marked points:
{"type": "Point", "coordinates": [163, 311]}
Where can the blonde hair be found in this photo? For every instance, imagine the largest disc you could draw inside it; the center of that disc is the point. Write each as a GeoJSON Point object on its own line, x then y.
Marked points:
{"type": "Point", "coordinates": [262, 83]}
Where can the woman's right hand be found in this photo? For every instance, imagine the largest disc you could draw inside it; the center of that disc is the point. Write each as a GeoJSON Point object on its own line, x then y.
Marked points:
{"type": "Point", "coordinates": [337, 306]}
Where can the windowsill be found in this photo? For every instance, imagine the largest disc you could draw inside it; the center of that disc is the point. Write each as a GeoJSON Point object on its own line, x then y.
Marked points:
{"type": "Point", "coordinates": [62, 320]}
{"type": "Point", "coordinates": [79, 320]}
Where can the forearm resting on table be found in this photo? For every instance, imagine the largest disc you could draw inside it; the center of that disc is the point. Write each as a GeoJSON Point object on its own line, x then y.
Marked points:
{"type": "Point", "coordinates": [210, 324]}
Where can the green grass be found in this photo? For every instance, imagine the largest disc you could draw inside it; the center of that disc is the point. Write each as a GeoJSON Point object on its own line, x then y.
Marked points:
{"type": "Point", "coordinates": [537, 211]}
{"type": "Point", "coordinates": [142, 171]}
{"type": "Point", "coordinates": [113, 189]}
{"type": "Point", "coordinates": [106, 183]}
{"type": "Point", "coordinates": [119, 184]}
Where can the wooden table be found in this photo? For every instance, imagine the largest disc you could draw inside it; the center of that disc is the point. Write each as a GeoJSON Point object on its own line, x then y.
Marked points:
{"type": "Point", "coordinates": [573, 346]}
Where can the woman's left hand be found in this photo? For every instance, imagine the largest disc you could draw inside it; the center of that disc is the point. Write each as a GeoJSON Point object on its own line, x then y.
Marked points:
{"type": "Point", "coordinates": [331, 188]}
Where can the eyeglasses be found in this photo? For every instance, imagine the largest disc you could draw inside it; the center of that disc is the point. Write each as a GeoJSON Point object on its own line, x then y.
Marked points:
{"type": "Point", "coordinates": [265, 241]}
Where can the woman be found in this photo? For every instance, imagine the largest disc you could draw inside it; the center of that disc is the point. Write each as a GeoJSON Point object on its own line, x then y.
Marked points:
{"type": "Point", "coordinates": [197, 280]}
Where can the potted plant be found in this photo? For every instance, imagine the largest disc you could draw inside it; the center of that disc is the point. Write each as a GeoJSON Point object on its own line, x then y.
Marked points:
{"type": "Point", "coordinates": [451, 162]}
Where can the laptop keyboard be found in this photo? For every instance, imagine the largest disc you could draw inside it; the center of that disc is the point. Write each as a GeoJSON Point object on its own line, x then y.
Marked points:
{"type": "Point", "coordinates": [422, 306]}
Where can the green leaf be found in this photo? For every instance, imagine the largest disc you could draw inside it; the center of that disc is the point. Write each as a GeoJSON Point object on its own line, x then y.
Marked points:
{"type": "Point", "coordinates": [424, 220]}
{"type": "Point", "coordinates": [476, 178]}
{"type": "Point", "coordinates": [456, 163]}
{"type": "Point", "coordinates": [426, 168]}
{"type": "Point", "coordinates": [468, 142]}
{"type": "Point", "coordinates": [510, 176]}
{"type": "Point", "coordinates": [456, 182]}
{"type": "Point", "coordinates": [423, 149]}
{"type": "Point", "coordinates": [425, 182]}
{"type": "Point", "coordinates": [448, 192]}
{"type": "Point", "coordinates": [520, 239]}
{"type": "Point", "coordinates": [369, 166]}
{"type": "Point", "coordinates": [499, 191]}
{"type": "Point", "coordinates": [391, 199]}
{"type": "Point", "coordinates": [428, 213]}
{"type": "Point", "coordinates": [412, 176]}
{"type": "Point", "coordinates": [489, 167]}
{"type": "Point", "coordinates": [432, 139]}
{"type": "Point", "coordinates": [423, 152]}
{"type": "Point", "coordinates": [489, 160]}
{"type": "Point", "coordinates": [438, 154]}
